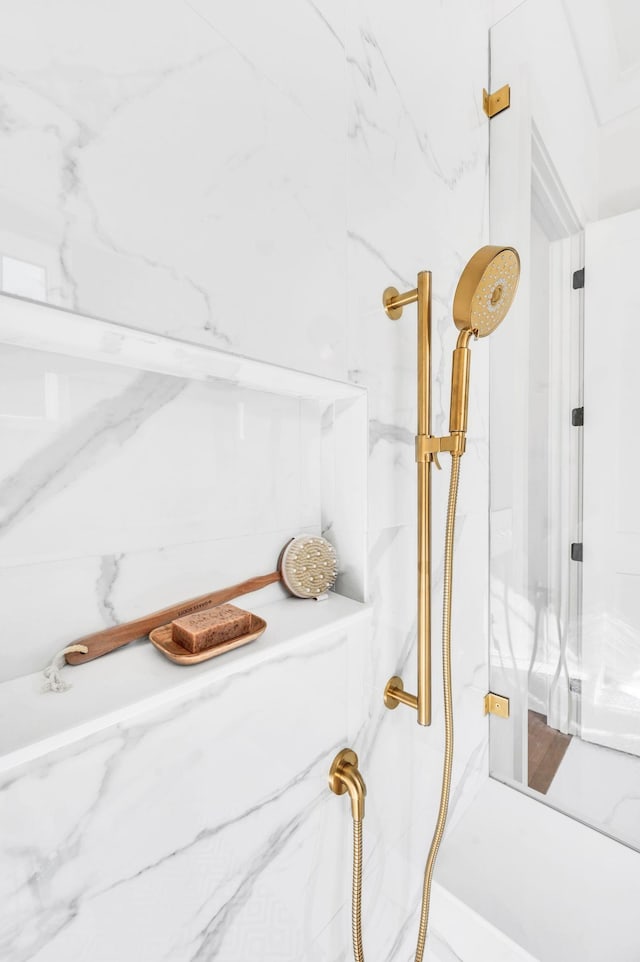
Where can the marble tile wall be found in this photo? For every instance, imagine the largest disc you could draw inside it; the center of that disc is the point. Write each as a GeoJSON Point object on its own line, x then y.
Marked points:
{"type": "Point", "coordinates": [180, 167]}
{"type": "Point", "coordinates": [203, 831]}
{"type": "Point", "coordinates": [251, 177]}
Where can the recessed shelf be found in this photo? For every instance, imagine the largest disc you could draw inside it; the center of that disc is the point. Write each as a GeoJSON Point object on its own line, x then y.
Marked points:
{"type": "Point", "coordinates": [137, 679]}
{"type": "Point", "coordinates": [89, 408]}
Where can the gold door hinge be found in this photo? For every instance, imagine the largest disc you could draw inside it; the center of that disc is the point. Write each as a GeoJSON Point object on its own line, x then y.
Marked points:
{"type": "Point", "coordinates": [495, 103]}
{"type": "Point", "coordinates": [496, 705]}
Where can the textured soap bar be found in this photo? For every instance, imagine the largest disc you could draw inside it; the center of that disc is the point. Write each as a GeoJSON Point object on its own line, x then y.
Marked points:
{"type": "Point", "coordinates": [205, 629]}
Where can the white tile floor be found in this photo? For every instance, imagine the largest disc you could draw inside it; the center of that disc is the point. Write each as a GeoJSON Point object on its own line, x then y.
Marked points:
{"type": "Point", "coordinates": [602, 787]}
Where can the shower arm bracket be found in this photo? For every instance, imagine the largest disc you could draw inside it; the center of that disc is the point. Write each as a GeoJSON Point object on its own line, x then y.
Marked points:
{"type": "Point", "coordinates": [428, 447]}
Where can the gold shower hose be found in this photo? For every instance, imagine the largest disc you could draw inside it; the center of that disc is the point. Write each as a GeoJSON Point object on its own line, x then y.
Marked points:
{"type": "Point", "coordinates": [356, 892]}
{"type": "Point", "coordinates": [448, 706]}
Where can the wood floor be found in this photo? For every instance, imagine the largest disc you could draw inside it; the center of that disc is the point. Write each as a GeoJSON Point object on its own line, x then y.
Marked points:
{"type": "Point", "coordinates": [547, 748]}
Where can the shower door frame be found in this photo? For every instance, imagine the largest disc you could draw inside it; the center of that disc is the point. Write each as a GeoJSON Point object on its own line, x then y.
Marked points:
{"type": "Point", "coordinates": [558, 655]}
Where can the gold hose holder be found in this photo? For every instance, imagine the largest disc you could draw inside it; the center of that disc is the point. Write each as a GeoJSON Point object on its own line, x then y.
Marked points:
{"type": "Point", "coordinates": [344, 776]}
{"type": "Point", "coordinates": [427, 450]}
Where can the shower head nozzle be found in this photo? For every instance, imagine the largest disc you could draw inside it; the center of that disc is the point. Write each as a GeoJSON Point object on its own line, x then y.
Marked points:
{"type": "Point", "coordinates": [486, 289]}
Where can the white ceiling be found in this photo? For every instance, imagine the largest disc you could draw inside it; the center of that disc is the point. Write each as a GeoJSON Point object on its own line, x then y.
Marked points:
{"type": "Point", "coordinates": [607, 38]}
{"type": "Point", "coordinates": [625, 18]}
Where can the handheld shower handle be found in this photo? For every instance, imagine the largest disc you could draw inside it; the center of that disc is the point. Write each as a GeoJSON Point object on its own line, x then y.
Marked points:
{"type": "Point", "coordinates": [460, 373]}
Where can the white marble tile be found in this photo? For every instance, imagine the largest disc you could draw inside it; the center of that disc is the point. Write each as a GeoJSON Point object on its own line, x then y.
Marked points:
{"type": "Point", "coordinates": [543, 856]}
{"type": "Point", "coordinates": [600, 786]}
{"type": "Point", "coordinates": [344, 499]}
{"type": "Point", "coordinates": [170, 170]}
{"type": "Point", "coordinates": [304, 62]}
{"type": "Point", "coordinates": [160, 814]}
{"type": "Point", "coordinates": [127, 462]}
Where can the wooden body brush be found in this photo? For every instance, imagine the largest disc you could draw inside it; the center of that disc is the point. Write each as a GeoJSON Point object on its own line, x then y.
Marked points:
{"type": "Point", "coordinates": [307, 566]}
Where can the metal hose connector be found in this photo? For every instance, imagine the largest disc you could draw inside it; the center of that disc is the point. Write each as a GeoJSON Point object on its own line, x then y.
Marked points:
{"type": "Point", "coordinates": [356, 892]}
{"type": "Point", "coordinates": [344, 777]}
{"type": "Point", "coordinates": [448, 708]}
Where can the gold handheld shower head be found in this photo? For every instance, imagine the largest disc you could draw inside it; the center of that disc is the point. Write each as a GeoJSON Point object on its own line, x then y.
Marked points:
{"type": "Point", "coordinates": [486, 290]}
{"type": "Point", "coordinates": [483, 297]}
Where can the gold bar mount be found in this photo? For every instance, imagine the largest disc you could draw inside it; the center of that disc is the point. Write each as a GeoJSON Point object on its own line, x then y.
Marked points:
{"type": "Point", "coordinates": [427, 449]}
{"type": "Point", "coordinates": [426, 452]}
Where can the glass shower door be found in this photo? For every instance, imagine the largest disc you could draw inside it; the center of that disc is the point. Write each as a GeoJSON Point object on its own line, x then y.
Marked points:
{"type": "Point", "coordinates": [564, 460]}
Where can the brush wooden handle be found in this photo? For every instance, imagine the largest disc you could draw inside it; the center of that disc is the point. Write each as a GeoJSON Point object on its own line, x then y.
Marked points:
{"type": "Point", "coordinates": [102, 642]}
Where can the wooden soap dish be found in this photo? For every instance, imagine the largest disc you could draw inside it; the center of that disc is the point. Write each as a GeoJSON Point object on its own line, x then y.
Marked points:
{"type": "Point", "coordinates": [161, 638]}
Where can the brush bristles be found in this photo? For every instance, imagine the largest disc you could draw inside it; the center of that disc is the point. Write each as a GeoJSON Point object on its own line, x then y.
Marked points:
{"type": "Point", "coordinates": [309, 567]}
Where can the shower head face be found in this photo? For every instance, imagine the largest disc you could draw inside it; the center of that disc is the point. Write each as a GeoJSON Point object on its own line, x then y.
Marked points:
{"type": "Point", "coordinates": [486, 290]}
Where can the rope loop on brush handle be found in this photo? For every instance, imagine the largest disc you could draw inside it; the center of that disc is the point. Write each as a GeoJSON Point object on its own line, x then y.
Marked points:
{"type": "Point", "coordinates": [53, 680]}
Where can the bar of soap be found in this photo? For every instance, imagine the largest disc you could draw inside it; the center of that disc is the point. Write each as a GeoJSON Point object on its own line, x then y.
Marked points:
{"type": "Point", "coordinates": [208, 628]}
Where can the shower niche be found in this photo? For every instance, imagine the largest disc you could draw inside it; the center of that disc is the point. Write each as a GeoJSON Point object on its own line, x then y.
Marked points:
{"type": "Point", "coordinates": [139, 471]}
{"type": "Point", "coordinates": [565, 525]}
